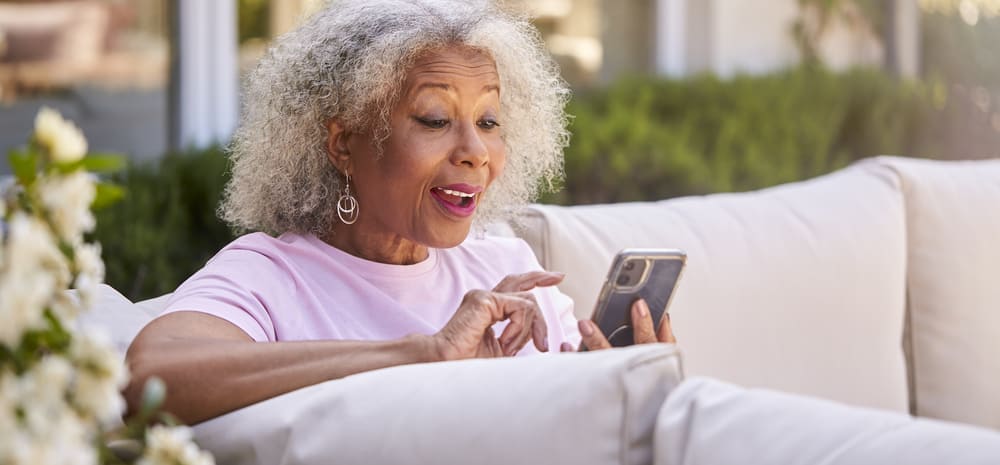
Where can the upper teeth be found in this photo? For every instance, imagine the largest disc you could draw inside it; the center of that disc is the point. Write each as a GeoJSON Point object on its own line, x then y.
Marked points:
{"type": "Point", "coordinates": [457, 193]}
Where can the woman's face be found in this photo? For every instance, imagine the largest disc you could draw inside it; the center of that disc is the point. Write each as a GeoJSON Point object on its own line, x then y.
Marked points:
{"type": "Point", "coordinates": [443, 152]}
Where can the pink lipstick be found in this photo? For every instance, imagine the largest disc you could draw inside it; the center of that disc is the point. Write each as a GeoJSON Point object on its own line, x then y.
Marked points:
{"type": "Point", "coordinates": [458, 199]}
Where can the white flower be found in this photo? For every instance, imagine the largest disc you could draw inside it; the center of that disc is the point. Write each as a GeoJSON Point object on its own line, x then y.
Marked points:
{"type": "Point", "coordinates": [66, 442]}
{"type": "Point", "coordinates": [100, 376]}
{"type": "Point", "coordinates": [172, 446]}
{"type": "Point", "coordinates": [33, 270]}
{"type": "Point", "coordinates": [9, 397]}
{"type": "Point", "coordinates": [90, 272]}
{"type": "Point", "coordinates": [67, 201]}
{"type": "Point", "coordinates": [44, 385]}
{"type": "Point", "coordinates": [65, 307]}
{"type": "Point", "coordinates": [62, 138]}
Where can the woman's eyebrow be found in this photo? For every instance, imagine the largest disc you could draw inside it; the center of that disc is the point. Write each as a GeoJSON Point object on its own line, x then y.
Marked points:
{"type": "Point", "coordinates": [448, 87]}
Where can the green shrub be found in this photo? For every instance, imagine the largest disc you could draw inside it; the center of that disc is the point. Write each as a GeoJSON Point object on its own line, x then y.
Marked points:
{"type": "Point", "coordinates": [165, 228]}
{"type": "Point", "coordinates": [650, 138]}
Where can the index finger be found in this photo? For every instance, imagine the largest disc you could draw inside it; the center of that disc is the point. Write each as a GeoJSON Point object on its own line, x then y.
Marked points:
{"type": "Point", "coordinates": [528, 281]}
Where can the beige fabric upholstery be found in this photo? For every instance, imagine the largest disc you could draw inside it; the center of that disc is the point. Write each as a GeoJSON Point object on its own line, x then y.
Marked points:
{"type": "Point", "coordinates": [706, 422]}
{"type": "Point", "coordinates": [953, 219]}
{"type": "Point", "coordinates": [590, 408]}
{"type": "Point", "coordinates": [797, 288]}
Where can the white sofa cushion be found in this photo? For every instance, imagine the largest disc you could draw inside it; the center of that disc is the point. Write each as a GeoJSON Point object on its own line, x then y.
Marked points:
{"type": "Point", "coordinates": [114, 314]}
{"type": "Point", "coordinates": [706, 422]}
{"type": "Point", "coordinates": [590, 408]}
{"type": "Point", "coordinates": [953, 219]}
{"type": "Point", "coordinates": [797, 287]}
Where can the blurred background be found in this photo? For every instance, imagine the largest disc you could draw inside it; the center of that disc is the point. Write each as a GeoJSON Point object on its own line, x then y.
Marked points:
{"type": "Point", "coordinates": [671, 97]}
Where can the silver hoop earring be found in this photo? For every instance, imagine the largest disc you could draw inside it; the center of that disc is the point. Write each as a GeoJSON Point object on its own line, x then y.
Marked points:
{"type": "Point", "coordinates": [347, 205]}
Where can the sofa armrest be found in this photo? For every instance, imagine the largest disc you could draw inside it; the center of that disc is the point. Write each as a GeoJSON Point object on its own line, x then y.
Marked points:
{"type": "Point", "coordinates": [587, 408]}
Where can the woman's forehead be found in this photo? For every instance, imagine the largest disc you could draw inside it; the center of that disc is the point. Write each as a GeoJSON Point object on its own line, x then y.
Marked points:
{"type": "Point", "coordinates": [452, 63]}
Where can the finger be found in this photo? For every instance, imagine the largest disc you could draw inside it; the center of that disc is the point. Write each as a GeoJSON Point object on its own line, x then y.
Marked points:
{"type": "Point", "coordinates": [566, 347]}
{"type": "Point", "coordinates": [666, 331]}
{"type": "Point", "coordinates": [528, 329]}
{"type": "Point", "coordinates": [540, 332]}
{"type": "Point", "coordinates": [528, 281]}
{"type": "Point", "coordinates": [491, 344]}
{"type": "Point", "coordinates": [592, 336]}
{"type": "Point", "coordinates": [642, 323]}
{"type": "Point", "coordinates": [515, 309]}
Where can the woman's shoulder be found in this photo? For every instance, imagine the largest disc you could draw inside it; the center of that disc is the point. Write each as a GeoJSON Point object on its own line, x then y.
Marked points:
{"type": "Point", "coordinates": [258, 248]}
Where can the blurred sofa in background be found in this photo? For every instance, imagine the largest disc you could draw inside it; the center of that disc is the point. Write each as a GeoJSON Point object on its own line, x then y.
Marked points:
{"type": "Point", "coordinates": [845, 303]}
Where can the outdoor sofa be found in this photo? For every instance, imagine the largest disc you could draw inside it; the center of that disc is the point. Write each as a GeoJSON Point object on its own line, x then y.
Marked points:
{"type": "Point", "coordinates": [814, 320]}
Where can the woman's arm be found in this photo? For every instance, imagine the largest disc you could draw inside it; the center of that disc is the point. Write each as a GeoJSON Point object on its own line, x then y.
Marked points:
{"type": "Point", "coordinates": [211, 367]}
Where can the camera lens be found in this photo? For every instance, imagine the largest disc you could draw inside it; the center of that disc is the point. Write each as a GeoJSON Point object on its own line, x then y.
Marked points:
{"type": "Point", "coordinates": [623, 280]}
{"type": "Point", "coordinates": [629, 265]}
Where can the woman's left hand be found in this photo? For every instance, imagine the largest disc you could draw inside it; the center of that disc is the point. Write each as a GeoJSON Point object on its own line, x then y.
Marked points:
{"type": "Point", "coordinates": [642, 329]}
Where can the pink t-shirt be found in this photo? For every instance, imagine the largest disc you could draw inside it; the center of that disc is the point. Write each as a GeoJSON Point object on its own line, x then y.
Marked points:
{"type": "Point", "coordinates": [297, 287]}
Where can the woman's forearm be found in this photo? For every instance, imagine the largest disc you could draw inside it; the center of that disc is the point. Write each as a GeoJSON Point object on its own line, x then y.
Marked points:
{"type": "Point", "coordinates": [209, 376]}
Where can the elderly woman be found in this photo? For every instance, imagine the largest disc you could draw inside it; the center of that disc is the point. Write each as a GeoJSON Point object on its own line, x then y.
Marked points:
{"type": "Point", "coordinates": [373, 139]}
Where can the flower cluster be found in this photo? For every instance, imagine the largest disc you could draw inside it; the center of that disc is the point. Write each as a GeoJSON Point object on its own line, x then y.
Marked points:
{"type": "Point", "coordinates": [60, 386]}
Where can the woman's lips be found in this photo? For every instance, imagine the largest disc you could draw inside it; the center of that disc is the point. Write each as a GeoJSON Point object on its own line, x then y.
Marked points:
{"type": "Point", "coordinates": [457, 199]}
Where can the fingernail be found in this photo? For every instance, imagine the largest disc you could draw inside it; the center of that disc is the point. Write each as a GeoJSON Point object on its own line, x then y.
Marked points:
{"type": "Point", "coordinates": [545, 345]}
{"type": "Point", "coordinates": [643, 310]}
{"type": "Point", "coordinates": [667, 316]}
{"type": "Point", "coordinates": [585, 328]}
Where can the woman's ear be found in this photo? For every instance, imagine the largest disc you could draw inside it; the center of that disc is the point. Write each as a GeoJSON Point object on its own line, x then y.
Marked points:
{"type": "Point", "coordinates": [337, 148]}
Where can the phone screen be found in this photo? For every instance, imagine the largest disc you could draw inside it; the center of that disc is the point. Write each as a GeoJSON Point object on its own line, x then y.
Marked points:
{"type": "Point", "coordinates": [651, 275]}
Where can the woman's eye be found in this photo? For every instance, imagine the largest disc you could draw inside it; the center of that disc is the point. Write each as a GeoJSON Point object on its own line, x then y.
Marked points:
{"type": "Point", "coordinates": [433, 123]}
{"type": "Point", "coordinates": [488, 124]}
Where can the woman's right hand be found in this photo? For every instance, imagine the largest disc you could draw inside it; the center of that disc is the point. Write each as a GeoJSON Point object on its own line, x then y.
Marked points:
{"type": "Point", "coordinates": [469, 333]}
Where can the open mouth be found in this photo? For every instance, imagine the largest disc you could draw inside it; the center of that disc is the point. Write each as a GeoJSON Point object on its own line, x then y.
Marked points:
{"type": "Point", "coordinates": [459, 200]}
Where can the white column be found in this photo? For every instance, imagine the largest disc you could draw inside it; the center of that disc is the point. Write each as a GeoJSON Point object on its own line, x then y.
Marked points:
{"type": "Point", "coordinates": [907, 38]}
{"type": "Point", "coordinates": [207, 100]}
{"type": "Point", "coordinates": [670, 31]}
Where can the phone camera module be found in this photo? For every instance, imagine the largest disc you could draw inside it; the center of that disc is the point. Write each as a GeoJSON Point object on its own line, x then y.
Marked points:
{"type": "Point", "coordinates": [632, 273]}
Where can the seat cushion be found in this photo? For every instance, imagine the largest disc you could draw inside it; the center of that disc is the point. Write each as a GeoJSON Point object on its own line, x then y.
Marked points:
{"type": "Point", "coordinates": [797, 287]}
{"type": "Point", "coordinates": [953, 225]}
{"type": "Point", "coordinates": [706, 422]}
{"type": "Point", "coordinates": [588, 408]}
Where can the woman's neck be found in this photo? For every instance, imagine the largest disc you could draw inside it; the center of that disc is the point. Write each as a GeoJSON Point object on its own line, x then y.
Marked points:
{"type": "Point", "coordinates": [381, 248]}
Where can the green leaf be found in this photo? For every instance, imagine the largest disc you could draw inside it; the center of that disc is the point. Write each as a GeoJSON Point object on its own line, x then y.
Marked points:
{"type": "Point", "coordinates": [103, 162]}
{"type": "Point", "coordinates": [107, 194]}
{"type": "Point", "coordinates": [96, 163]}
{"type": "Point", "coordinates": [24, 163]}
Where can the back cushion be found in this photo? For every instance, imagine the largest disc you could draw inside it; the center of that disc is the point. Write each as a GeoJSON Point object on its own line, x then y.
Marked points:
{"type": "Point", "coordinates": [798, 287]}
{"type": "Point", "coordinates": [953, 218]}
{"type": "Point", "coordinates": [114, 315]}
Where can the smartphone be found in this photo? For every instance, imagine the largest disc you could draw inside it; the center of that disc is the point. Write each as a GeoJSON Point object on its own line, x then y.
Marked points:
{"type": "Point", "coordinates": [649, 274]}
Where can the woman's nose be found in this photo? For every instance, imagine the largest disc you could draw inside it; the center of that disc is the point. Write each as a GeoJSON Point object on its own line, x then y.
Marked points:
{"type": "Point", "coordinates": [471, 149]}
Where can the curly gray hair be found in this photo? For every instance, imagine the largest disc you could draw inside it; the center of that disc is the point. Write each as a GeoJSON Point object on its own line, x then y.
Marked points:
{"type": "Point", "coordinates": [349, 61]}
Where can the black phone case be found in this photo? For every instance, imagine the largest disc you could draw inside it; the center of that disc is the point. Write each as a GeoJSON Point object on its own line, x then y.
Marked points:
{"type": "Point", "coordinates": [614, 316]}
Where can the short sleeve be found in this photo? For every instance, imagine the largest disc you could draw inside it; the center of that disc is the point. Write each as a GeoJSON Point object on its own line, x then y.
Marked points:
{"type": "Point", "coordinates": [236, 285]}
